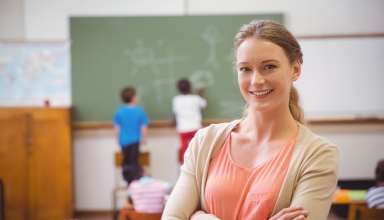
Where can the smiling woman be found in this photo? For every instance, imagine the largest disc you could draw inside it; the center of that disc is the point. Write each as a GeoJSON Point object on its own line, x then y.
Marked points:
{"type": "Point", "coordinates": [277, 51]}
{"type": "Point", "coordinates": [267, 165]}
{"type": "Point", "coordinates": [265, 74]}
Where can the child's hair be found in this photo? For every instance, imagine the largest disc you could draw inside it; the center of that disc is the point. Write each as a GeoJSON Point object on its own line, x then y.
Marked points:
{"type": "Point", "coordinates": [127, 94]}
{"type": "Point", "coordinates": [279, 35]}
{"type": "Point", "coordinates": [379, 171]}
{"type": "Point", "coordinates": [184, 86]}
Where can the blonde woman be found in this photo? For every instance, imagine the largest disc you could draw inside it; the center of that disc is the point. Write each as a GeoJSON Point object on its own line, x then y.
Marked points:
{"type": "Point", "coordinates": [267, 165]}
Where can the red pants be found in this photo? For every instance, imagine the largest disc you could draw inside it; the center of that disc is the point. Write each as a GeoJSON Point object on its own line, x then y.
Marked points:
{"type": "Point", "coordinates": [185, 138]}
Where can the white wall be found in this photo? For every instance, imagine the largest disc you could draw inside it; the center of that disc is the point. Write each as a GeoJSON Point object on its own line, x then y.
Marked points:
{"type": "Point", "coordinates": [307, 17]}
{"type": "Point", "coordinates": [48, 19]}
{"type": "Point", "coordinates": [12, 19]}
{"type": "Point", "coordinates": [93, 150]}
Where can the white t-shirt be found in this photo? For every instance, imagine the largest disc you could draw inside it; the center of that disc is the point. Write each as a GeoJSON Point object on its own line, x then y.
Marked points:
{"type": "Point", "coordinates": [187, 110]}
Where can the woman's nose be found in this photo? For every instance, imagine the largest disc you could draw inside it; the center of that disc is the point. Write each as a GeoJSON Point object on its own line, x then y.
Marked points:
{"type": "Point", "coordinates": [257, 78]}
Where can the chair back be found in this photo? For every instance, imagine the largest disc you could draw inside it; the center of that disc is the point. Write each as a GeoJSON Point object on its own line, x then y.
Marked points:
{"type": "Point", "coordinates": [133, 215]}
{"type": "Point", "coordinates": [143, 159]}
{"type": "Point", "coordinates": [362, 212]}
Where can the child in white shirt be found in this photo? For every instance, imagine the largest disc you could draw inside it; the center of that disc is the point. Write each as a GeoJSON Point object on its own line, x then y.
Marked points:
{"type": "Point", "coordinates": [187, 108]}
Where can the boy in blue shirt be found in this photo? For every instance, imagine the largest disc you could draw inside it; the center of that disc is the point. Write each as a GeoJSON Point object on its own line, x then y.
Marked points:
{"type": "Point", "coordinates": [131, 124]}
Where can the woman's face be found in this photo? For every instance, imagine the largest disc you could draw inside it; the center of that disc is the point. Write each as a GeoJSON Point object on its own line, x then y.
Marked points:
{"type": "Point", "coordinates": [265, 74]}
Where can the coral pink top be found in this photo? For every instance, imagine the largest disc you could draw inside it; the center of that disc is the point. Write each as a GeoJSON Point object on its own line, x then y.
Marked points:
{"type": "Point", "coordinates": [234, 192]}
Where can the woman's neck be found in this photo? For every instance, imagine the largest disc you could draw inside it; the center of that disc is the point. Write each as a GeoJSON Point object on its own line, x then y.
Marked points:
{"type": "Point", "coordinates": [266, 126]}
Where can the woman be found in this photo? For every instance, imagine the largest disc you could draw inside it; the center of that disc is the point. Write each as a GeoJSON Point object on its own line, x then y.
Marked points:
{"type": "Point", "coordinates": [266, 165]}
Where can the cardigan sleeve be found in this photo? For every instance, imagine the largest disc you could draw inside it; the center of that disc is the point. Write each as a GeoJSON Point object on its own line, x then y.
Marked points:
{"type": "Point", "coordinates": [185, 199]}
{"type": "Point", "coordinates": [317, 182]}
{"type": "Point", "coordinates": [185, 196]}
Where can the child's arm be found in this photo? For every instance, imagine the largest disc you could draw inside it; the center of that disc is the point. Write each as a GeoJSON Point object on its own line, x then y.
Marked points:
{"type": "Point", "coordinates": [144, 131]}
{"type": "Point", "coordinates": [200, 92]}
{"type": "Point", "coordinates": [144, 127]}
{"type": "Point", "coordinates": [117, 133]}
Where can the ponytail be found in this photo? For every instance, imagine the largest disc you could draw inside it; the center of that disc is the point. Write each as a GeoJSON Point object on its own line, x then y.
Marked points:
{"type": "Point", "coordinates": [294, 107]}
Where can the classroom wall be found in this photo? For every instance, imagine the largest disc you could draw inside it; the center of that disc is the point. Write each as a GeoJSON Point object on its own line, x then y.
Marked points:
{"type": "Point", "coordinates": [93, 149]}
{"type": "Point", "coordinates": [12, 19]}
{"type": "Point", "coordinates": [48, 19]}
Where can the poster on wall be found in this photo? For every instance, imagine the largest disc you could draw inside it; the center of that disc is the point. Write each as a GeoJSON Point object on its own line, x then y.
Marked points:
{"type": "Point", "coordinates": [35, 74]}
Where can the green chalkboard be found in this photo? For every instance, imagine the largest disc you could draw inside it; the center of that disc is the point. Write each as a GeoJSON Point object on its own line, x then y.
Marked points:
{"type": "Point", "coordinates": [151, 54]}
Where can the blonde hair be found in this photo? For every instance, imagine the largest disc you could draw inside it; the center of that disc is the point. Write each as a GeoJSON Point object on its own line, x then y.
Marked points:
{"type": "Point", "coordinates": [279, 35]}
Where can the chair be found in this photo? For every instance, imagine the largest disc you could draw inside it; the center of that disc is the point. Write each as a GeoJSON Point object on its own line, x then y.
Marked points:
{"type": "Point", "coordinates": [362, 212]}
{"type": "Point", "coordinates": [144, 161]}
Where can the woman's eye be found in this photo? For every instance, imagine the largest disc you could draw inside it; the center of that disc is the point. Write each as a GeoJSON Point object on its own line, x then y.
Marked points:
{"type": "Point", "coordinates": [244, 69]}
{"type": "Point", "coordinates": [270, 67]}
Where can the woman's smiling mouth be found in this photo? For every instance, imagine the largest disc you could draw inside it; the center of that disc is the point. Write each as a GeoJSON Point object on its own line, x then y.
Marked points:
{"type": "Point", "coordinates": [261, 93]}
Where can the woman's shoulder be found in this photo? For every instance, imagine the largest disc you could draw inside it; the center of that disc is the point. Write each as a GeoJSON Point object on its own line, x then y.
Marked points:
{"type": "Point", "coordinates": [314, 152]}
{"type": "Point", "coordinates": [204, 143]}
{"type": "Point", "coordinates": [311, 145]}
{"type": "Point", "coordinates": [212, 136]}
{"type": "Point", "coordinates": [215, 129]}
{"type": "Point", "coordinates": [310, 139]}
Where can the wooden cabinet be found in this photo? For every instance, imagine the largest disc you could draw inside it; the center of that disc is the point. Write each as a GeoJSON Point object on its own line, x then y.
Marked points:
{"type": "Point", "coordinates": [35, 163]}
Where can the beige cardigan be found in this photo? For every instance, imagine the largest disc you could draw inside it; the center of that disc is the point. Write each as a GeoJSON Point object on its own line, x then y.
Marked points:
{"type": "Point", "coordinates": [310, 181]}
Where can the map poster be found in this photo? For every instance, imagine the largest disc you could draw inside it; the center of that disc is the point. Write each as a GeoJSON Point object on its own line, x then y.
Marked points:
{"type": "Point", "coordinates": [35, 74]}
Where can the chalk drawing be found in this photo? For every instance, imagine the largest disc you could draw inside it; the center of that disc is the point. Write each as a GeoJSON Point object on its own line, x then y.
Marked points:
{"type": "Point", "coordinates": [211, 37]}
{"type": "Point", "coordinates": [201, 79]}
{"type": "Point", "coordinates": [158, 64]}
{"type": "Point", "coordinates": [145, 58]}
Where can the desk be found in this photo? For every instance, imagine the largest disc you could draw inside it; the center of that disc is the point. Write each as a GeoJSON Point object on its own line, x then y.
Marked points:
{"type": "Point", "coordinates": [357, 207]}
{"type": "Point", "coordinates": [350, 198]}
{"type": "Point", "coordinates": [353, 208]}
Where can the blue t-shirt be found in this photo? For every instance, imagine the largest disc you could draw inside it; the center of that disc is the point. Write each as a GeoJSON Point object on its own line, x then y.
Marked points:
{"type": "Point", "coordinates": [130, 120]}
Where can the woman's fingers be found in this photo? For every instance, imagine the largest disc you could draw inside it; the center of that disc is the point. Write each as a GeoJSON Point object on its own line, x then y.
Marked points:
{"type": "Point", "coordinates": [300, 217]}
{"type": "Point", "coordinates": [292, 213]}
{"type": "Point", "coordinates": [285, 211]}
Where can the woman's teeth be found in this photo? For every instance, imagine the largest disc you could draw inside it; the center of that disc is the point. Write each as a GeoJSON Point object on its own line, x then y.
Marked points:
{"type": "Point", "coordinates": [261, 93]}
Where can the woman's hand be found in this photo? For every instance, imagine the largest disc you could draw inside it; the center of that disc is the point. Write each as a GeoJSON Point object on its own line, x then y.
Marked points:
{"type": "Point", "coordinates": [196, 215]}
{"type": "Point", "coordinates": [291, 214]}
{"type": "Point", "coordinates": [201, 215]}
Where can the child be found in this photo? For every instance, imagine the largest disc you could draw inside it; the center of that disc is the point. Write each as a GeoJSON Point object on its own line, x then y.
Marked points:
{"type": "Point", "coordinates": [148, 194]}
{"type": "Point", "coordinates": [131, 127]}
{"type": "Point", "coordinates": [187, 111]}
{"type": "Point", "coordinates": [375, 195]}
